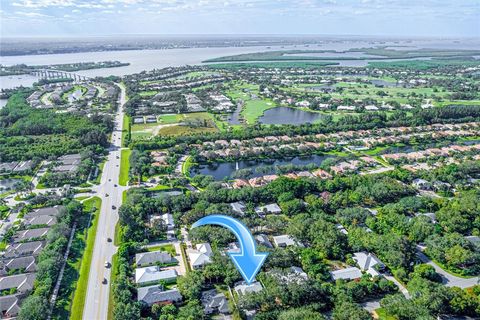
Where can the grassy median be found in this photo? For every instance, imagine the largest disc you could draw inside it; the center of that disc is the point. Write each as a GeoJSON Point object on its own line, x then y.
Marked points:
{"type": "Point", "coordinates": [82, 283]}
{"type": "Point", "coordinates": [124, 166]}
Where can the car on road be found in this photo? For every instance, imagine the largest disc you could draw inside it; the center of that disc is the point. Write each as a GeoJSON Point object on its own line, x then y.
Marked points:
{"type": "Point", "coordinates": [109, 239]}
{"type": "Point", "coordinates": [104, 281]}
{"type": "Point", "coordinates": [107, 264]}
{"type": "Point", "coordinates": [113, 207]}
{"type": "Point", "coordinates": [115, 185]}
{"type": "Point", "coordinates": [106, 194]}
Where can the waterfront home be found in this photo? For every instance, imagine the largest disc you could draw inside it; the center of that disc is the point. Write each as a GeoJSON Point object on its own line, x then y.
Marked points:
{"type": "Point", "coordinates": [322, 174]}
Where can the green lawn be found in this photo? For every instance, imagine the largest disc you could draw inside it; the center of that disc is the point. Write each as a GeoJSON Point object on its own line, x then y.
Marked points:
{"type": "Point", "coordinates": [383, 315]}
{"type": "Point", "coordinates": [113, 276]}
{"type": "Point", "coordinates": [124, 166]}
{"type": "Point", "coordinates": [186, 166]}
{"type": "Point", "coordinates": [71, 300]}
{"type": "Point", "coordinates": [126, 123]}
{"type": "Point", "coordinates": [167, 248]}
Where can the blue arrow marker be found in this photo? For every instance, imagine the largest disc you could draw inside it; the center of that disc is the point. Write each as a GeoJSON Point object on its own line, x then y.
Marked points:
{"type": "Point", "coordinates": [248, 261]}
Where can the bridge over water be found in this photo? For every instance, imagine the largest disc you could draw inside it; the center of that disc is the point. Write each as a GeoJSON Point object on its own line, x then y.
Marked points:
{"type": "Point", "coordinates": [57, 74]}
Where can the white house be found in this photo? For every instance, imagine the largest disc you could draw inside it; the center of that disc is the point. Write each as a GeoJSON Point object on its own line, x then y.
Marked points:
{"type": "Point", "coordinates": [269, 208]}
{"type": "Point", "coordinates": [368, 262]}
{"type": "Point", "coordinates": [200, 256]}
{"type": "Point", "coordinates": [153, 274]}
{"type": "Point", "coordinates": [347, 274]}
{"type": "Point", "coordinates": [283, 241]}
{"type": "Point", "coordinates": [242, 287]}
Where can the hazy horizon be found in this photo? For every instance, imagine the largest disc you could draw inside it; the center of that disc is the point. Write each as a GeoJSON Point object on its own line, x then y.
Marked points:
{"type": "Point", "coordinates": [368, 18]}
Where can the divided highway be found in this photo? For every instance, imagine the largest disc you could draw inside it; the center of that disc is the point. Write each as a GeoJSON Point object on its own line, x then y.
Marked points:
{"type": "Point", "coordinates": [96, 302]}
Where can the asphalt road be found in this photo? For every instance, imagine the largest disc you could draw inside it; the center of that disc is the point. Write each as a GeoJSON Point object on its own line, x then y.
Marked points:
{"type": "Point", "coordinates": [96, 303]}
{"type": "Point", "coordinates": [448, 279]}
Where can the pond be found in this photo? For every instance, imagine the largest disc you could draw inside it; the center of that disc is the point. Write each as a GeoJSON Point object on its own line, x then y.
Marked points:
{"type": "Point", "coordinates": [383, 83]}
{"type": "Point", "coordinates": [255, 168]}
{"type": "Point", "coordinates": [286, 115]}
{"type": "Point", "coordinates": [165, 193]}
{"type": "Point", "coordinates": [7, 184]}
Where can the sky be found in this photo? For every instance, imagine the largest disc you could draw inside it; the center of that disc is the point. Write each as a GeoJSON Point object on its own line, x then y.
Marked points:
{"type": "Point", "coordinates": [65, 18]}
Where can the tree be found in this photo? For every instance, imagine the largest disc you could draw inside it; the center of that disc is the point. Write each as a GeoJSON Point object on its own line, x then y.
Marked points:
{"type": "Point", "coordinates": [350, 311]}
{"type": "Point", "coordinates": [34, 308]}
{"type": "Point", "coordinates": [300, 314]}
{"type": "Point", "coordinates": [190, 285]}
{"type": "Point", "coordinates": [192, 311]}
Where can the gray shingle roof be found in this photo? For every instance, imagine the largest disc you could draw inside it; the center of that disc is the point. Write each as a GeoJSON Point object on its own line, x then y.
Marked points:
{"type": "Point", "coordinates": [29, 234]}
{"type": "Point", "coordinates": [50, 211]}
{"type": "Point", "coordinates": [149, 258]}
{"type": "Point", "coordinates": [23, 249]}
{"type": "Point", "coordinates": [27, 264]}
{"type": "Point", "coordinates": [22, 282]}
{"type": "Point", "coordinates": [154, 294]}
{"type": "Point", "coordinates": [10, 305]}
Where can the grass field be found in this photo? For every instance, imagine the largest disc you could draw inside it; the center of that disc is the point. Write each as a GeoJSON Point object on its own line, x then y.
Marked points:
{"type": "Point", "coordinates": [71, 300]}
{"type": "Point", "coordinates": [383, 315]}
{"type": "Point", "coordinates": [167, 248]}
{"type": "Point", "coordinates": [124, 166]}
{"type": "Point", "coordinates": [113, 276]}
{"type": "Point", "coordinates": [126, 123]}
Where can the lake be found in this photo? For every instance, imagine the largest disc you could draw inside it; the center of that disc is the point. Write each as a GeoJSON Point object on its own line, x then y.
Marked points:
{"type": "Point", "coordinates": [287, 115]}
{"type": "Point", "coordinates": [221, 170]}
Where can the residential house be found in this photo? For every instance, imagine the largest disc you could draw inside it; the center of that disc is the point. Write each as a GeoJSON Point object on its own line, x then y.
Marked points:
{"type": "Point", "coordinates": [151, 258]}
{"type": "Point", "coordinates": [23, 249]}
{"type": "Point", "coordinates": [155, 294]}
{"type": "Point", "coordinates": [238, 207]}
{"type": "Point", "coordinates": [29, 234]}
{"type": "Point", "coordinates": [269, 208]}
{"type": "Point", "coordinates": [22, 283]}
{"type": "Point", "coordinates": [350, 273]}
{"type": "Point", "coordinates": [242, 287]}
{"type": "Point", "coordinates": [154, 274]}
{"type": "Point", "coordinates": [283, 241]}
{"type": "Point", "coordinates": [25, 264]}
{"type": "Point", "coordinates": [48, 211]}
{"type": "Point", "coordinates": [40, 220]}
{"type": "Point", "coordinates": [262, 239]}
{"type": "Point", "coordinates": [214, 302]}
{"type": "Point", "coordinates": [369, 263]}
{"type": "Point", "coordinates": [10, 306]}
{"type": "Point", "coordinates": [422, 184]}
{"type": "Point", "coordinates": [200, 256]}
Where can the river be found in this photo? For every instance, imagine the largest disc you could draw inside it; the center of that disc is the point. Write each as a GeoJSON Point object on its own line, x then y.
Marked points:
{"type": "Point", "coordinates": [145, 60]}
